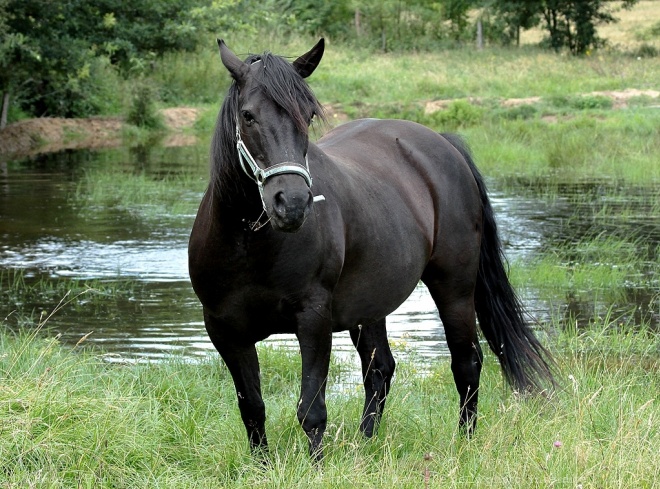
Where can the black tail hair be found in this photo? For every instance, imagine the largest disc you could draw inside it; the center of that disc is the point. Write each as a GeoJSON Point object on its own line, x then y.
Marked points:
{"type": "Point", "coordinates": [526, 364]}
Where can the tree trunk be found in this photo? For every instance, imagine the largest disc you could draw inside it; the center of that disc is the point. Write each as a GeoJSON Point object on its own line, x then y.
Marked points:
{"type": "Point", "coordinates": [5, 109]}
{"type": "Point", "coordinates": [358, 23]}
{"type": "Point", "coordinates": [480, 35]}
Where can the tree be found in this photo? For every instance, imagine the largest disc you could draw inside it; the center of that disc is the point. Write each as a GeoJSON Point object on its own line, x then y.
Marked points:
{"type": "Point", "coordinates": [570, 23]}
{"type": "Point", "coordinates": [456, 12]}
{"type": "Point", "coordinates": [53, 52]}
{"type": "Point", "coordinates": [512, 16]}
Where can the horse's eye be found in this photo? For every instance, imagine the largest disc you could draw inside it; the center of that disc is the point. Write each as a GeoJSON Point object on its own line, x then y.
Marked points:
{"type": "Point", "coordinates": [248, 117]}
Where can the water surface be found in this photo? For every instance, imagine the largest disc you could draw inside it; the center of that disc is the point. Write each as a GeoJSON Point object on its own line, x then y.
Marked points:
{"type": "Point", "coordinates": [67, 218]}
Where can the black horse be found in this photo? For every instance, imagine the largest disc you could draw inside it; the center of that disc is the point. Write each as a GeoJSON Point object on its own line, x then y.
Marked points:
{"type": "Point", "coordinates": [313, 239]}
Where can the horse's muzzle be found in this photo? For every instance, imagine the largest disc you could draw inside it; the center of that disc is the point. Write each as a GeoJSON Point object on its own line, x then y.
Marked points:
{"type": "Point", "coordinates": [289, 207]}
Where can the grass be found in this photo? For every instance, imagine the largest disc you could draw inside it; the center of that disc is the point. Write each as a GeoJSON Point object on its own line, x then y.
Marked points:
{"type": "Point", "coordinates": [584, 146]}
{"type": "Point", "coordinates": [71, 419]}
{"type": "Point", "coordinates": [16, 288]}
{"type": "Point", "coordinates": [143, 195]}
{"type": "Point", "coordinates": [353, 76]}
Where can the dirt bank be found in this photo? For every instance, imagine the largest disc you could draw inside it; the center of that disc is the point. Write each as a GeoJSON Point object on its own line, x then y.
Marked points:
{"type": "Point", "coordinates": [34, 136]}
{"type": "Point", "coordinates": [48, 134]}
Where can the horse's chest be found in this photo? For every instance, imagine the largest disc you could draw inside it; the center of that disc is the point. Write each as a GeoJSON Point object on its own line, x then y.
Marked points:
{"type": "Point", "coordinates": [255, 311]}
{"type": "Point", "coordinates": [245, 297]}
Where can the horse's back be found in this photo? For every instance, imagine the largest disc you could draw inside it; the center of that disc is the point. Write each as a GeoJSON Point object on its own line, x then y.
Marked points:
{"type": "Point", "coordinates": [420, 165]}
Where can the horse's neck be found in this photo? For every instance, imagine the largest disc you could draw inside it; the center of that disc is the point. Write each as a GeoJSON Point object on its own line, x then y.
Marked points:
{"type": "Point", "coordinates": [234, 197]}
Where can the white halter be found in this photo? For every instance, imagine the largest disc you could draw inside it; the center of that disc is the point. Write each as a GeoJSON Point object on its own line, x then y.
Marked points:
{"type": "Point", "coordinates": [260, 175]}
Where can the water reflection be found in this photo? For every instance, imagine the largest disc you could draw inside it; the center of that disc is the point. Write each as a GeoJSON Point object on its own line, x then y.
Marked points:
{"type": "Point", "coordinates": [48, 232]}
{"type": "Point", "coordinates": [154, 259]}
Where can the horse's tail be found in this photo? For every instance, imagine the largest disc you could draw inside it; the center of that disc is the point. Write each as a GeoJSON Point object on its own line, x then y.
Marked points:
{"type": "Point", "coordinates": [526, 364]}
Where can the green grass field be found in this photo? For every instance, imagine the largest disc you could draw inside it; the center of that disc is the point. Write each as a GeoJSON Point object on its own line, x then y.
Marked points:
{"type": "Point", "coordinates": [564, 120]}
{"type": "Point", "coordinates": [70, 418]}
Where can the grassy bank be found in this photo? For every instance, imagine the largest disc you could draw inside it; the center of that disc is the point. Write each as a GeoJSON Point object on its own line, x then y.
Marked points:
{"type": "Point", "coordinates": [71, 419]}
{"type": "Point", "coordinates": [524, 111]}
{"type": "Point", "coordinates": [355, 76]}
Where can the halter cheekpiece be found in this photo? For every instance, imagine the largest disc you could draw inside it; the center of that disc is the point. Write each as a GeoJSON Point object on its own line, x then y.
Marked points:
{"type": "Point", "coordinates": [259, 175]}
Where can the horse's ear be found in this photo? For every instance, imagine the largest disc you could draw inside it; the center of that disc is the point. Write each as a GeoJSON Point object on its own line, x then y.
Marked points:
{"type": "Point", "coordinates": [307, 63]}
{"type": "Point", "coordinates": [234, 65]}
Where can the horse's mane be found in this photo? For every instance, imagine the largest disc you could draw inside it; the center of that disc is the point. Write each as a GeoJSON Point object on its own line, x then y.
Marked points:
{"type": "Point", "coordinates": [280, 81]}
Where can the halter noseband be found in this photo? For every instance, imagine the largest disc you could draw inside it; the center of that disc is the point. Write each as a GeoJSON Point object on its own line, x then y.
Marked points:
{"type": "Point", "coordinates": [260, 175]}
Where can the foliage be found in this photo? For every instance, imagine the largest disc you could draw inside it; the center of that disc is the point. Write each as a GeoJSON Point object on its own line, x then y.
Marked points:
{"type": "Point", "coordinates": [60, 52]}
{"type": "Point", "coordinates": [143, 111]}
{"type": "Point", "coordinates": [569, 24]}
{"type": "Point", "coordinates": [459, 115]}
{"type": "Point", "coordinates": [508, 17]}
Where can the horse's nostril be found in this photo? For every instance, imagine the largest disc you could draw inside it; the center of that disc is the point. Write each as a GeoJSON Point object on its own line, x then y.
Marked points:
{"type": "Point", "coordinates": [280, 203]}
{"type": "Point", "coordinates": [291, 206]}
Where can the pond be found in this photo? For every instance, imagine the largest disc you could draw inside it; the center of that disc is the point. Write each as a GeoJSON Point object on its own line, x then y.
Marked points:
{"type": "Point", "coordinates": [96, 242]}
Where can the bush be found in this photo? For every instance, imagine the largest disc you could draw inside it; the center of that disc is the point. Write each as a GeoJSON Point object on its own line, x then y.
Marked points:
{"type": "Point", "coordinates": [646, 51]}
{"type": "Point", "coordinates": [586, 102]}
{"type": "Point", "coordinates": [520, 112]}
{"type": "Point", "coordinates": [142, 112]}
{"type": "Point", "coordinates": [459, 114]}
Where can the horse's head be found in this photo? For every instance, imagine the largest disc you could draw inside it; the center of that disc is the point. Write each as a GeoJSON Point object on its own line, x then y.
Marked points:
{"type": "Point", "coordinates": [273, 111]}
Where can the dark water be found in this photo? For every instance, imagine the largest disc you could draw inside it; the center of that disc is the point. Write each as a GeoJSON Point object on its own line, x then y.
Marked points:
{"type": "Point", "coordinates": [57, 234]}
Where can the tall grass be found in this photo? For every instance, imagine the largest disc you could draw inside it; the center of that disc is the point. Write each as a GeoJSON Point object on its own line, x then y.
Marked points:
{"type": "Point", "coordinates": [569, 131]}
{"type": "Point", "coordinates": [617, 145]}
{"type": "Point", "coordinates": [138, 193]}
{"type": "Point", "coordinates": [350, 75]}
{"type": "Point", "coordinates": [564, 131]}
{"type": "Point", "coordinates": [72, 420]}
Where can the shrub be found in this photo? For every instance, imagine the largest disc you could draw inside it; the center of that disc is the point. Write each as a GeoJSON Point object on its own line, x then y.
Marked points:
{"type": "Point", "coordinates": [142, 112]}
{"type": "Point", "coordinates": [459, 114]}
{"type": "Point", "coordinates": [520, 112]}
{"type": "Point", "coordinates": [591, 102]}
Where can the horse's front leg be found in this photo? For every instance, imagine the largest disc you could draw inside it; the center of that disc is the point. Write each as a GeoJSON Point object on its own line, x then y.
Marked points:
{"type": "Point", "coordinates": [243, 364]}
{"type": "Point", "coordinates": [315, 338]}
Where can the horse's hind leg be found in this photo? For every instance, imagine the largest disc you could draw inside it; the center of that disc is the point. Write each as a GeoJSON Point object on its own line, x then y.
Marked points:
{"type": "Point", "coordinates": [456, 308]}
{"type": "Point", "coordinates": [377, 370]}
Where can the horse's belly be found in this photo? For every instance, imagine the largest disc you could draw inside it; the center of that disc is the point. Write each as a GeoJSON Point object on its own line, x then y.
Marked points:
{"type": "Point", "coordinates": [362, 298]}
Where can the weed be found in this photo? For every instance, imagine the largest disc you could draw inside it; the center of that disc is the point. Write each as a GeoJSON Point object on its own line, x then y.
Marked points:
{"type": "Point", "coordinates": [521, 112]}
{"type": "Point", "coordinates": [139, 194]}
{"type": "Point", "coordinates": [460, 114]}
